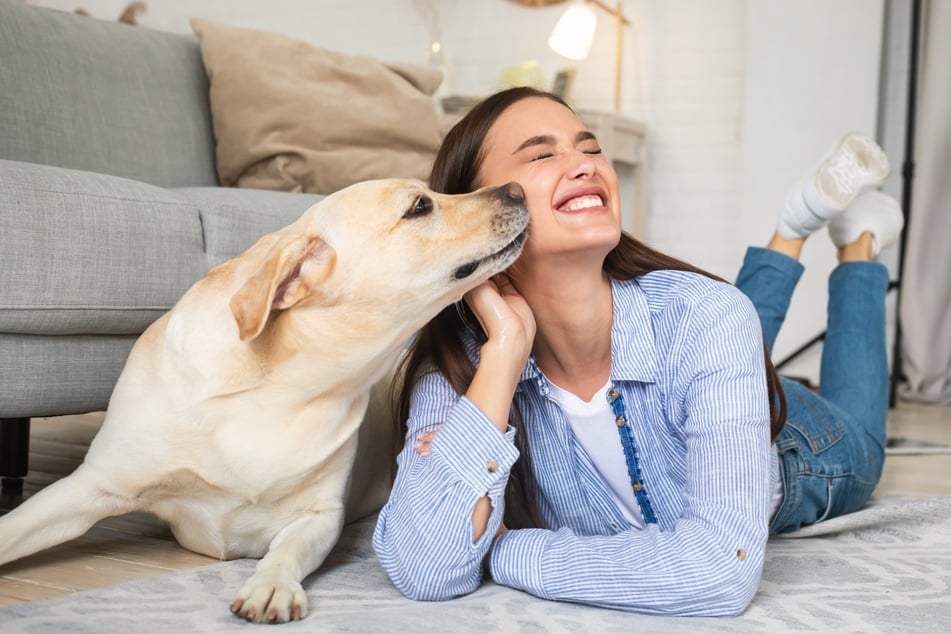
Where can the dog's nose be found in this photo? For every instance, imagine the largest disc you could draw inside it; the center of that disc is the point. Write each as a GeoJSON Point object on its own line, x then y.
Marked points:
{"type": "Point", "coordinates": [512, 193]}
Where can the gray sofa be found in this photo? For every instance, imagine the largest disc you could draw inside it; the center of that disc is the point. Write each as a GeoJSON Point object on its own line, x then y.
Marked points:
{"type": "Point", "coordinates": [109, 206]}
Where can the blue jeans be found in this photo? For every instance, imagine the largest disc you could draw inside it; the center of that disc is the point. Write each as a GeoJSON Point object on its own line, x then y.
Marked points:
{"type": "Point", "coordinates": [831, 450]}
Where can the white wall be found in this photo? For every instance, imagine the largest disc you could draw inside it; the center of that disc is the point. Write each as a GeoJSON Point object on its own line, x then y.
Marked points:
{"type": "Point", "coordinates": [740, 96]}
{"type": "Point", "coordinates": [812, 74]}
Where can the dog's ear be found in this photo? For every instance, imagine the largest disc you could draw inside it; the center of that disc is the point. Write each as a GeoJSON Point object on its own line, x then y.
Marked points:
{"type": "Point", "coordinates": [290, 273]}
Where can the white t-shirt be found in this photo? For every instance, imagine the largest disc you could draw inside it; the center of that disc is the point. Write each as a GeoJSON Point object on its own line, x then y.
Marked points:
{"type": "Point", "coordinates": [594, 428]}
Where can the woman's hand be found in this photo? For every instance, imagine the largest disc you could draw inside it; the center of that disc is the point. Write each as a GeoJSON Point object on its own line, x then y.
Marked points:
{"type": "Point", "coordinates": [509, 325]}
{"type": "Point", "coordinates": [505, 317]}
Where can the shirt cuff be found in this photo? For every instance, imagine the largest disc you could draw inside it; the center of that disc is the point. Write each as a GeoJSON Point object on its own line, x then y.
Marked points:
{"type": "Point", "coordinates": [515, 559]}
{"type": "Point", "coordinates": [475, 449]}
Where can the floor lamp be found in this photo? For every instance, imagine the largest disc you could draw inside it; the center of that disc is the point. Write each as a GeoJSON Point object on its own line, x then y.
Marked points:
{"type": "Point", "coordinates": [574, 32]}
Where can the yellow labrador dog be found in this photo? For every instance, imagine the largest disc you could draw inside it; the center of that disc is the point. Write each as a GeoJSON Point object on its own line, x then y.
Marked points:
{"type": "Point", "coordinates": [236, 417]}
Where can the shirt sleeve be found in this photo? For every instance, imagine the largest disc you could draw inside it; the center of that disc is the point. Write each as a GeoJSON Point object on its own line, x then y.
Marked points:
{"type": "Point", "coordinates": [424, 536]}
{"type": "Point", "coordinates": [710, 561]}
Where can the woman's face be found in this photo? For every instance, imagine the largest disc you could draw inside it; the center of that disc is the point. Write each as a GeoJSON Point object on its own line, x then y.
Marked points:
{"type": "Point", "coordinates": [570, 187]}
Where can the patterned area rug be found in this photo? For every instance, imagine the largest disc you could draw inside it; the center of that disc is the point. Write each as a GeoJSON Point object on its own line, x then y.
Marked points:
{"type": "Point", "coordinates": [886, 568]}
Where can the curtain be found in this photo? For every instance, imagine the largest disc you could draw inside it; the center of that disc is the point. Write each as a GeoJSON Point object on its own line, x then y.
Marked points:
{"type": "Point", "coordinates": [925, 308]}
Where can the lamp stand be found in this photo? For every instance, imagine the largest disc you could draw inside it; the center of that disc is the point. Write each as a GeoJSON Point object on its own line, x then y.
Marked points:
{"type": "Point", "coordinates": [619, 22]}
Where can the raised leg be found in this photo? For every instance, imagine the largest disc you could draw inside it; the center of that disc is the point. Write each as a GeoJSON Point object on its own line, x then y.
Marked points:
{"type": "Point", "coordinates": [768, 278]}
{"type": "Point", "coordinates": [854, 372]}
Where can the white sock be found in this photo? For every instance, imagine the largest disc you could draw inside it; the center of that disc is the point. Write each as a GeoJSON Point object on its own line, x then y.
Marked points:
{"type": "Point", "coordinates": [873, 211]}
{"type": "Point", "coordinates": [853, 165]}
{"type": "Point", "coordinates": [798, 219]}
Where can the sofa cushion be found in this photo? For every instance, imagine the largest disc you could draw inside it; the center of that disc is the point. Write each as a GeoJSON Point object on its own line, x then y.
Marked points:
{"type": "Point", "coordinates": [52, 375]}
{"type": "Point", "coordinates": [87, 253]}
{"type": "Point", "coordinates": [233, 219]}
{"type": "Point", "coordinates": [291, 116]}
{"type": "Point", "coordinates": [104, 97]}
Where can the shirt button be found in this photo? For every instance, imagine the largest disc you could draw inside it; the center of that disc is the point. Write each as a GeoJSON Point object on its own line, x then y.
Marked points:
{"type": "Point", "coordinates": [612, 394]}
{"type": "Point", "coordinates": [620, 421]}
{"type": "Point", "coordinates": [740, 554]}
{"type": "Point", "coordinates": [492, 466]}
{"type": "Point", "coordinates": [637, 486]}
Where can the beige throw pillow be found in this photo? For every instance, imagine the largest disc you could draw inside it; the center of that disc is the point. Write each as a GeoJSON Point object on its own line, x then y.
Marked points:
{"type": "Point", "coordinates": [291, 116]}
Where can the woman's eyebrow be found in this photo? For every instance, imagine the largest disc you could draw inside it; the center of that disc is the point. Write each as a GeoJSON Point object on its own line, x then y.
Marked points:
{"type": "Point", "coordinates": [547, 139]}
{"type": "Point", "coordinates": [544, 139]}
{"type": "Point", "coordinates": [585, 135]}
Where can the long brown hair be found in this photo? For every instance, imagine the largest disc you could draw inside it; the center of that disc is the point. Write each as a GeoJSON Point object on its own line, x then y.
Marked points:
{"type": "Point", "coordinates": [439, 343]}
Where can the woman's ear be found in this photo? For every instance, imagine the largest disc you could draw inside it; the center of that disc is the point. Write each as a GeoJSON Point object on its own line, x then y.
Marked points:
{"type": "Point", "coordinates": [290, 273]}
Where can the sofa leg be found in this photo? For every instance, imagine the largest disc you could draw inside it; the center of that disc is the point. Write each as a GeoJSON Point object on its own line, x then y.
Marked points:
{"type": "Point", "coordinates": [14, 459]}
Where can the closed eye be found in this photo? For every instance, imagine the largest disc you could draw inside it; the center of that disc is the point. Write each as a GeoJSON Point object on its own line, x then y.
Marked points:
{"type": "Point", "coordinates": [542, 156]}
{"type": "Point", "coordinates": [420, 207]}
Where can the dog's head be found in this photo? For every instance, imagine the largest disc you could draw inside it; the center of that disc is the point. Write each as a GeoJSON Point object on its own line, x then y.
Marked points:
{"type": "Point", "coordinates": [387, 247]}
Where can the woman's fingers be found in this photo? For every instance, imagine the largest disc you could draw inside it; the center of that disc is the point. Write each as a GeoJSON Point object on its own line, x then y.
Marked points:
{"type": "Point", "coordinates": [496, 303]}
{"type": "Point", "coordinates": [480, 301]}
{"type": "Point", "coordinates": [516, 303]}
{"type": "Point", "coordinates": [504, 284]}
{"type": "Point", "coordinates": [423, 442]}
{"type": "Point", "coordinates": [505, 316]}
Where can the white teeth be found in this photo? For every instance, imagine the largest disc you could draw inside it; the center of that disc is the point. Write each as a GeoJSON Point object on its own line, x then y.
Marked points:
{"type": "Point", "coordinates": [583, 202]}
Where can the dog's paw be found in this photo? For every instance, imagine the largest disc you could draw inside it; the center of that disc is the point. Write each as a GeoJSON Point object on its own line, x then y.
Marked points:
{"type": "Point", "coordinates": [270, 598]}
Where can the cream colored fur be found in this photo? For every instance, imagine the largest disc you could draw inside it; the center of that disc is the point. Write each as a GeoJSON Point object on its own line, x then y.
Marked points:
{"type": "Point", "coordinates": [236, 417]}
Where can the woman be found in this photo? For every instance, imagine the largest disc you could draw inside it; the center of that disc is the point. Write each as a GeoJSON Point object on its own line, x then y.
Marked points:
{"type": "Point", "coordinates": [615, 404]}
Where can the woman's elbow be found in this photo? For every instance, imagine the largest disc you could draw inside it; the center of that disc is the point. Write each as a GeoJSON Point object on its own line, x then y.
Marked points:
{"type": "Point", "coordinates": [734, 594]}
{"type": "Point", "coordinates": [727, 593]}
{"type": "Point", "coordinates": [421, 590]}
{"type": "Point", "coordinates": [734, 601]}
{"type": "Point", "coordinates": [429, 586]}
{"type": "Point", "coordinates": [423, 579]}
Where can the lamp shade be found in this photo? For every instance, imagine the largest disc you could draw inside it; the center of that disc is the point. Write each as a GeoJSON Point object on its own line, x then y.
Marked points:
{"type": "Point", "coordinates": [574, 32]}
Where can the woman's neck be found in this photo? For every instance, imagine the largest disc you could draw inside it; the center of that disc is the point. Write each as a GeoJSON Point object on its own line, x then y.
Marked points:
{"type": "Point", "coordinates": [574, 312]}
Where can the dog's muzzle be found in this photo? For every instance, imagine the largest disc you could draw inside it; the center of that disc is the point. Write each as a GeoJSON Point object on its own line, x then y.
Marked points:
{"type": "Point", "coordinates": [511, 197]}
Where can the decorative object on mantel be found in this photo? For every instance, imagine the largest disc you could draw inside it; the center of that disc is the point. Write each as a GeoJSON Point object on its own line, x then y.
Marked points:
{"type": "Point", "coordinates": [527, 73]}
{"type": "Point", "coordinates": [561, 84]}
{"type": "Point", "coordinates": [129, 15]}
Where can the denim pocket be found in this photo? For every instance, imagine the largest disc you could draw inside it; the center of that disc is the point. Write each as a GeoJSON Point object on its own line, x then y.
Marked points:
{"type": "Point", "coordinates": [815, 421]}
{"type": "Point", "coordinates": [821, 463]}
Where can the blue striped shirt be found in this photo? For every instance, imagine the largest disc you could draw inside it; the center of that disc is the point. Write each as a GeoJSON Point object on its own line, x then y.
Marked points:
{"type": "Point", "coordinates": [688, 360]}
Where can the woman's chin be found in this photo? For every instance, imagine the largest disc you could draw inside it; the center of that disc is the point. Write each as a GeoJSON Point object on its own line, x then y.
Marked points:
{"type": "Point", "coordinates": [588, 242]}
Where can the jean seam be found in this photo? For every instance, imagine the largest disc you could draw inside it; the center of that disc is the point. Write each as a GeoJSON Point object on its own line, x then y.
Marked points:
{"type": "Point", "coordinates": [828, 509]}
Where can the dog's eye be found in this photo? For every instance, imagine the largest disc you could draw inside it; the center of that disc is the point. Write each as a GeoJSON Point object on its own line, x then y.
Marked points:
{"type": "Point", "coordinates": [421, 207]}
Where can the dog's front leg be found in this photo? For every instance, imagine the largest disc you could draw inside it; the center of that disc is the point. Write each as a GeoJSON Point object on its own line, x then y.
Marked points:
{"type": "Point", "coordinates": [274, 593]}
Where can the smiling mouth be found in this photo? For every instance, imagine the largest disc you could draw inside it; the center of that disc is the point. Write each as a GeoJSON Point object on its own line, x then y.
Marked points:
{"type": "Point", "coordinates": [582, 203]}
{"type": "Point", "coordinates": [512, 249]}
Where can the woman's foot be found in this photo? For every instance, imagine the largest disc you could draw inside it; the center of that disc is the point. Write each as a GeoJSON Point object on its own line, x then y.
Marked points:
{"type": "Point", "coordinates": [873, 215]}
{"type": "Point", "coordinates": [854, 165]}
{"type": "Point", "coordinates": [860, 250]}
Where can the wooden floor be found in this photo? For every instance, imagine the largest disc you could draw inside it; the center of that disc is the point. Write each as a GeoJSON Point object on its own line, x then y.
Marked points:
{"type": "Point", "coordinates": [136, 545]}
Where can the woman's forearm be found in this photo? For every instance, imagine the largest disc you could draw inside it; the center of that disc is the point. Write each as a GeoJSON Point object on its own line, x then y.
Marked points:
{"type": "Point", "coordinates": [492, 390]}
{"type": "Point", "coordinates": [424, 535]}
